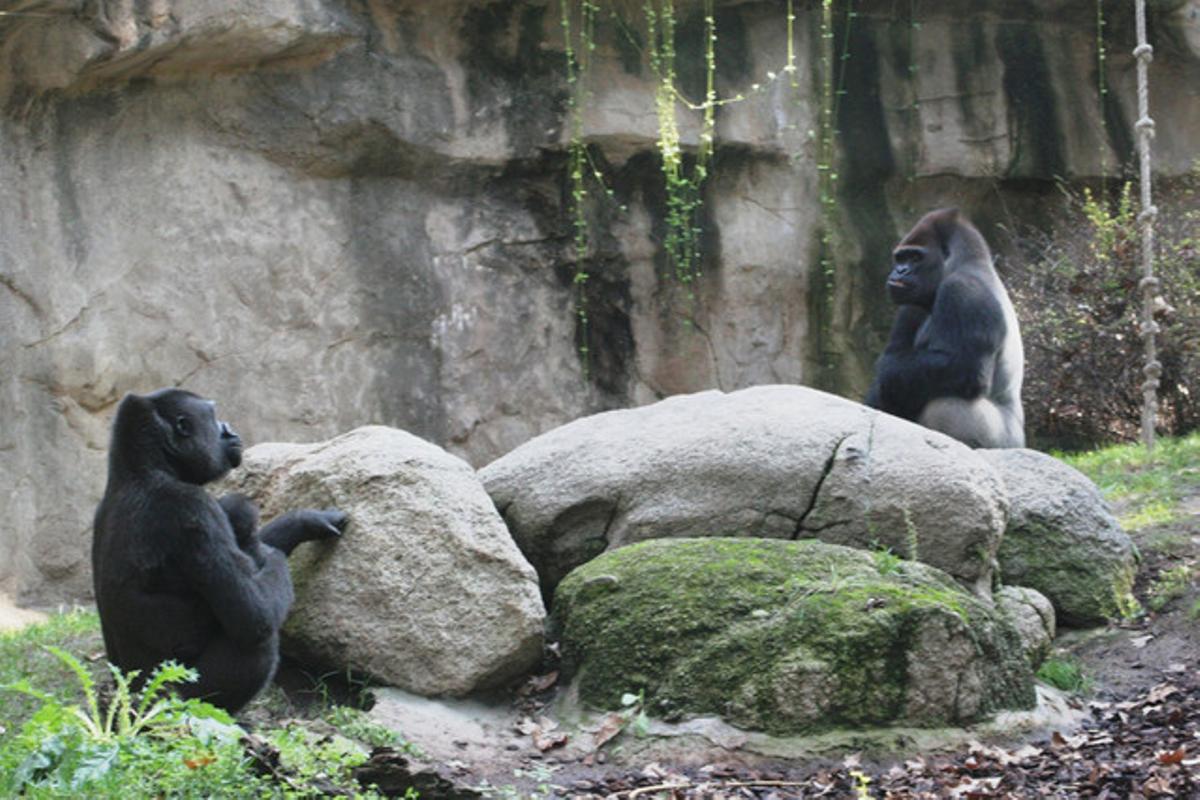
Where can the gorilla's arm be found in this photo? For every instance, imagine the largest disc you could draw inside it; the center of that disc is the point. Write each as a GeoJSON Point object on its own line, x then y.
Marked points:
{"type": "Point", "coordinates": [284, 532]}
{"type": "Point", "coordinates": [900, 342]}
{"type": "Point", "coordinates": [243, 518]}
{"type": "Point", "coordinates": [954, 356]}
{"type": "Point", "coordinates": [249, 599]}
{"type": "Point", "coordinates": [290, 529]}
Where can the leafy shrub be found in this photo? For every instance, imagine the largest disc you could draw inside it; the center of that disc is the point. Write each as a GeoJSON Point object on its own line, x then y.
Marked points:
{"type": "Point", "coordinates": [135, 745]}
{"type": "Point", "coordinates": [1076, 291]}
{"type": "Point", "coordinates": [129, 744]}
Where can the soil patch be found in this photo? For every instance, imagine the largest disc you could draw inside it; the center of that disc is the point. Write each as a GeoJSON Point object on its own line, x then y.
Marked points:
{"type": "Point", "coordinates": [13, 618]}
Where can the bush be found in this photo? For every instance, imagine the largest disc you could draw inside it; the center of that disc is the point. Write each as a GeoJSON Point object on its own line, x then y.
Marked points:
{"type": "Point", "coordinates": [1077, 298]}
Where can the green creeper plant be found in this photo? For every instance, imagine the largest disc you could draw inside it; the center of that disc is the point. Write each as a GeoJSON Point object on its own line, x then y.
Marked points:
{"type": "Point", "coordinates": [579, 46]}
{"type": "Point", "coordinates": [683, 187]}
{"type": "Point", "coordinates": [832, 78]}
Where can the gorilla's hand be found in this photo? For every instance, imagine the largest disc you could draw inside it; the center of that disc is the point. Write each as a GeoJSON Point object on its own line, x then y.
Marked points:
{"type": "Point", "coordinates": [304, 525]}
{"type": "Point", "coordinates": [326, 523]}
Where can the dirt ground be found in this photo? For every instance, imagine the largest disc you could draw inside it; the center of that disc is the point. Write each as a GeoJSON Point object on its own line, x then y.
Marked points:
{"type": "Point", "coordinates": [12, 617]}
{"type": "Point", "coordinates": [1123, 659]}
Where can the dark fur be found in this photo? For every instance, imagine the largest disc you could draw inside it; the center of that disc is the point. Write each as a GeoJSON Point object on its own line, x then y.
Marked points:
{"type": "Point", "coordinates": [953, 361]}
{"type": "Point", "coordinates": [178, 575]}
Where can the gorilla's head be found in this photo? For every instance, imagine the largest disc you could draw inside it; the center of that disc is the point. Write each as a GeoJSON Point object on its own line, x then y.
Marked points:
{"type": "Point", "coordinates": [941, 242]}
{"type": "Point", "coordinates": [175, 430]}
{"type": "Point", "coordinates": [918, 262]}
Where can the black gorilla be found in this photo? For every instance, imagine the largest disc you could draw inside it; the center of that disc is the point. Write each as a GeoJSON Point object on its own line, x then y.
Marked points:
{"type": "Point", "coordinates": [954, 361]}
{"type": "Point", "coordinates": [178, 575]}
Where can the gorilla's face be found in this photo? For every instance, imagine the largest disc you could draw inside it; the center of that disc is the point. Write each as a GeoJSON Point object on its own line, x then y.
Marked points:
{"type": "Point", "coordinates": [915, 276]}
{"type": "Point", "coordinates": [197, 445]}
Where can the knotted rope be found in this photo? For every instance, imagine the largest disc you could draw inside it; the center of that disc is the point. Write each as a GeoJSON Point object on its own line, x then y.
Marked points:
{"type": "Point", "coordinates": [1149, 284]}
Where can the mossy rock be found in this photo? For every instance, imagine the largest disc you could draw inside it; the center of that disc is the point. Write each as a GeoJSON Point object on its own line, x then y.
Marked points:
{"type": "Point", "coordinates": [785, 636]}
{"type": "Point", "coordinates": [1062, 540]}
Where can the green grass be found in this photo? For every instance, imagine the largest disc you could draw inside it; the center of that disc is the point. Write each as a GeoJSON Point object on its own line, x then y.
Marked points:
{"type": "Point", "coordinates": [59, 737]}
{"type": "Point", "coordinates": [1170, 585]}
{"type": "Point", "coordinates": [23, 655]}
{"type": "Point", "coordinates": [1065, 674]}
{"type": "Point", "coordinates": [1150, 486]}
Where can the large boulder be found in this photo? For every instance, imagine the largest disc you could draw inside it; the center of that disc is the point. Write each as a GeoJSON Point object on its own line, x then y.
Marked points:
{"type": "Point", "coordinates": [1061, 538]}
{"type": "Point", "coordinates": [425, 590]}
{"type": "Point", "coordinates": [785, 637]}
{"type": "Point", "coordinates": [783, 462]}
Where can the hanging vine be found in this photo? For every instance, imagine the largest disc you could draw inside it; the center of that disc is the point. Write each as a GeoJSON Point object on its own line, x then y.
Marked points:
{"type": "Point", "coordinates": [684, 175]}
{"type": "Point", "coordinates": [832, 86]}
{"type": "Point", "coordinates": [684, 188]}
{"type": "Point", "coordinates": [579, 45]}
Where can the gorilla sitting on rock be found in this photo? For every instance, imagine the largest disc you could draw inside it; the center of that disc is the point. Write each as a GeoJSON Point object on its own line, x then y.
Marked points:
{"type": "Point", "coordinates": [179, 575]}
{"type": "Point", "coordinates": [954, 361]}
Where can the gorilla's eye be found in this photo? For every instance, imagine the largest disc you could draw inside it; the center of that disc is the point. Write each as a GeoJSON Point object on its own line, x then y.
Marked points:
{"type": "Point", "coordinates": [183, 426]}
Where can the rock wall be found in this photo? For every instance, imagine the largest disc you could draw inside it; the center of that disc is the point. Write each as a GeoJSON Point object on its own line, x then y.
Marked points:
{"type": "Point", "coordinates": [328, 213]}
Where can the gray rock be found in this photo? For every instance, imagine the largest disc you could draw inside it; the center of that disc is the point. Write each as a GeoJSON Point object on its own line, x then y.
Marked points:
{"type": "Point", "coordinates": [1031, 614]}
{"type": "Point", "coordinates": [782, 462]}
{"type": "Point", "coordinates": [1062, 539]}
{"type": "Point", "coordinates": [785, 637]}
{"type": "Point", "coordinates": [425, 590]}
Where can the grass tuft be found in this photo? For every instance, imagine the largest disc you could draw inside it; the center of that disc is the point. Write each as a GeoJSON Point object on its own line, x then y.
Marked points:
{"type": "Point", "coordinates": [1065, 674]}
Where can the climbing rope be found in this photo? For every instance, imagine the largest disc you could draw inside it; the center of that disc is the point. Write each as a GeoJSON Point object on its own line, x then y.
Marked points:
{"type": "Point", "coordinates": [1149, 284]}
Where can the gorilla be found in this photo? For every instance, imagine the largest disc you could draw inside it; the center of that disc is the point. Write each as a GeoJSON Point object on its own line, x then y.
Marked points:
{"type": "Point", "coordinates": [179, 575]}
{"type": "Point", "coordinates": [954, 360]}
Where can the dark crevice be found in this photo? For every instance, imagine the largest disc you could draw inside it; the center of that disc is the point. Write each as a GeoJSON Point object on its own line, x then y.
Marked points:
{"type": "Point", "coordinates": [9, 283]}
{"type": "Point", "coordinates": [812, 501]}
{"type": "Point", "coordinates": [612, 517]}
{"type": "Point", "coordinates": [819, 528]}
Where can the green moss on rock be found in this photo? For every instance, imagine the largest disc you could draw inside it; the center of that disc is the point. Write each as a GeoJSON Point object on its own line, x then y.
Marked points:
{"type": "Point", "coordinates": [1088, 585]}
{"type": "Point", "coordinates": [784, 637]}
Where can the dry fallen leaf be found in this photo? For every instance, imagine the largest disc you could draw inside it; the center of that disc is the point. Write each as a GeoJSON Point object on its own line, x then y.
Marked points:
{"type": "Point", "coordinates": [1172, 757]}
{"type": "Point", "coordinates": [1157, 785]}
{"type": "Point", "coordinates": [1161, 692]}
{"type": "Point", "coordinates": [609, 728]}
{"type": "Point", "coordinates": [544, 682]}
{"type": "Point", "coordinates": [548, 741]}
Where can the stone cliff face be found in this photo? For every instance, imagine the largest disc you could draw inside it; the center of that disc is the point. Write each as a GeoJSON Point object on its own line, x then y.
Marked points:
{"type": "Point", "coordinates": [328, 213]}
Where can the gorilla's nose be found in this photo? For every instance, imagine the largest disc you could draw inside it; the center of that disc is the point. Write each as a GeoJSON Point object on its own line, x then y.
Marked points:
{"type": "Point", "coordinates": [228, 432]}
